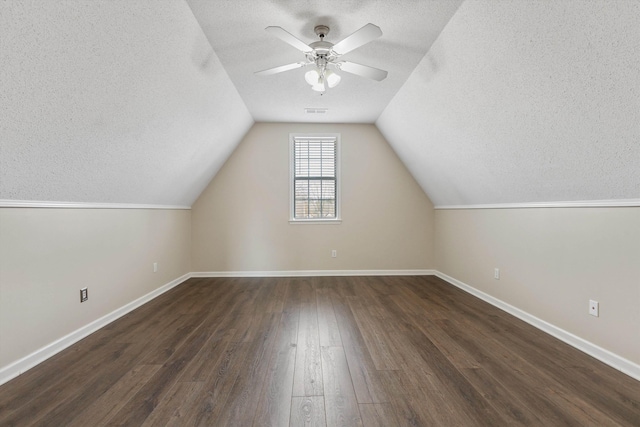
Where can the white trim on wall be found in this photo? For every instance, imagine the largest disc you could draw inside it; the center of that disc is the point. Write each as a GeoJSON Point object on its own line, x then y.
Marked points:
{"type": "Point", "coordinates": [20, 366]}
{"type": "Point", "coordinates": [310, 273]}
{"type": "Point", "coordinates": [620, 363]}
{"type": "Point", "coordinates": [74, 205]}
{"type": "Point", "coordinates": [569, 204]}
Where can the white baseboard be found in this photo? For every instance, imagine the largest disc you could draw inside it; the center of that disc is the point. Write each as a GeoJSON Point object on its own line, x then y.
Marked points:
{"type": "Point", "coordinates": [308, 273]}
{"type": "Point", "coordinates": [620, 363]}
{"type": "Point", "coordinates": [20, 366]}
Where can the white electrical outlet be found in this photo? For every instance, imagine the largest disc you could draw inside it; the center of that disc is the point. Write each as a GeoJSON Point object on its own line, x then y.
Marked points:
{"type": "Point", "coordinates": [155, 267]}
{"type": "Point", "coordinates": [594, 308]}
{"type": "Point", "coordinates": [334, 253]}
{"type": "Point", "coordinates": [496, 273]}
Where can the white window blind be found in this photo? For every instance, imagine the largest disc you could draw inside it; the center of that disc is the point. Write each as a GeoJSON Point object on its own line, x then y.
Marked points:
{"type": "Point", "coordinates": [315, 177]}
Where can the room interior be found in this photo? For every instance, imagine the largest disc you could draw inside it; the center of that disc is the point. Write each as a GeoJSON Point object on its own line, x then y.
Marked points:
{"type": "Point", "coordinates": [139, 150]}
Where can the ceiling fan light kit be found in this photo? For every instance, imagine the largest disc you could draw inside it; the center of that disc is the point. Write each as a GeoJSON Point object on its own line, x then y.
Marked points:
{"type": "Point", "coordinates": [324, 55]}
{"type": "Point", "coordinates": [317, 79]}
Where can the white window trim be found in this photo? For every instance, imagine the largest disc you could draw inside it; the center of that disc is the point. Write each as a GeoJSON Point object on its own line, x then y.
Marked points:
{"type": "Point", "coordinates": [328, 221]}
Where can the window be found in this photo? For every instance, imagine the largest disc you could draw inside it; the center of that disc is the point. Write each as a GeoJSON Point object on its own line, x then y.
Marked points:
{"type": "Point", "coordinates": [315, 171]}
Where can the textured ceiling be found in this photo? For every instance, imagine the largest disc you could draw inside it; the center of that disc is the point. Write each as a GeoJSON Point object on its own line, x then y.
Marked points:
{"type": "Point", "coordinates": [236, 32]}
{"type": "Point", "coordinates": [111, 101]}
{"type": "Point", "coordinates": [525, 101]}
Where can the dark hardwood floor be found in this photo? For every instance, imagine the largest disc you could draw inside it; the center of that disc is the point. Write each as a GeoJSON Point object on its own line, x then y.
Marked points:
{"type": "Point", "coordinates": [372, 351]}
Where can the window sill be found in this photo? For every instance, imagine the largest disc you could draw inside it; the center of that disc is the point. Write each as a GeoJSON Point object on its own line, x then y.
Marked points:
{"type": "Point", "coordinates": [336, 221]}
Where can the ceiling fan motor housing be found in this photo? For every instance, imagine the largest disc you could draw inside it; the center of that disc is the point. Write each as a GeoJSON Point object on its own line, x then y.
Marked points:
{"type": "Point", "coordinates": [321, 30]}
{"type": "Point", "coordinates": [321, 47]}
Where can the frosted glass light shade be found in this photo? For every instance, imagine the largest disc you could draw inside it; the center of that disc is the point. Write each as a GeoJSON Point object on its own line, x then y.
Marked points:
{"type": "Point", "coordinates": [319, 86]}
{"type": "Point", "coordinates": [312, 77]}
{"type": "Point", "coordinates": [332, 78]}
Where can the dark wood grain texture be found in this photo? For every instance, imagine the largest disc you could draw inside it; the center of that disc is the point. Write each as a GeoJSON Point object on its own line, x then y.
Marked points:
{"type": "Point", "coordinates": [320, 351]}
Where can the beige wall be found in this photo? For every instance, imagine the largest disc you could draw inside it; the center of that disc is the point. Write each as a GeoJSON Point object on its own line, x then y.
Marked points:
{"type": "Point", "coordinates": [241, 220]}
{"type": "Point", "coordinates": [47, 255]}
{"type": "Point", "coordinates": [552, 262]}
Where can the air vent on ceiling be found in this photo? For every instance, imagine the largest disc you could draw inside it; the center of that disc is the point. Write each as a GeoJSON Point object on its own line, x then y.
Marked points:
{"type": "Point", "coordinates": [316, 110]}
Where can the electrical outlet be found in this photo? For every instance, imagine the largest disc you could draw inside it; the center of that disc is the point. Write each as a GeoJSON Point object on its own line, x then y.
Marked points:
{"type": "Point", "coordinates": [155, 267]}
{"type": "Point", "coordinates": [496, 273]}
{"type": "Point", "coordinates": [594, 308]}
{"type": "Point", "coordinates": [334, 253]}
{"type": "Point", "coordinates": [84, 294]}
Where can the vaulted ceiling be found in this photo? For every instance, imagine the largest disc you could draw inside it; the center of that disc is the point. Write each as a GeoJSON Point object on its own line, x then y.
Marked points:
{"type": "Point", "coordinates": [136, 101]}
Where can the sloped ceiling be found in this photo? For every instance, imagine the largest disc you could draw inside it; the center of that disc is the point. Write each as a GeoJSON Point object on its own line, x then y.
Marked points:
{"type": "Point", "coordinates": [115, 101]}
{"type": "Point", "coordinates": [525, 101]}
{"type": "Point", "coordinates": [121, 101]}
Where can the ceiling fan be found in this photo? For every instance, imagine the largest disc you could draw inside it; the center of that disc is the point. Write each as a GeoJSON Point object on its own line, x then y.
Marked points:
{"type": "Point", "coordinates": [324, 56]}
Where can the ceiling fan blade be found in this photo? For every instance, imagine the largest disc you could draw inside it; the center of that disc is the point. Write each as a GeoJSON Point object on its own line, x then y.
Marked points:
{"type": "Point", "coordinates": [362, 70]}
{"type": "Point", "coordinates": [288, 38]}
{"type": "Point", "coordinates": [280, 69]}
{"type": "Point", "coordinates": [363, 36]}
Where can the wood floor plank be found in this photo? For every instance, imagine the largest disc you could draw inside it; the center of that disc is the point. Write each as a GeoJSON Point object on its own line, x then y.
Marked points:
{"type": "Point", "coordinates": [458, 356]}
{"type": "Point", "coordinates": [384, 356]}
{"type": "Point", "coordinates": [209, 356]}
{"type": "Point", "coordinates": [243, 399]}
{"type": "Point", "coordinates": [170, 408]}
{"type": "Point", "coordinates": [458, 389]}
{"type": "Point", "coordinates": [382, 286]}
{"type": "Point", "coordinates": [304, 351]}
{"type": "Point", "coordinates": [343, 286]}
{"type": "Point", "coordinates": [364, 375]}
{"type": "Point", "coordinates": [110, 402]}
{"type": "Point", "coordinates": [207, 407]}
{"type": "Point", "coordinates": [555, 367]}
{"type": "Point", "coordinates": [274, 408]}
{"type": "Point", "coordinates": [514, 411]}
{"type": "Point", "coordinates": [327, 323]}
{"type": "Point", "coordinates": [244, 316]}
{"type": "Point", "coordinates": [341, 405]}
{"type": "Point", "coordinates": [172, 338]}
{"type": "Point", "coordinates": [239, 315]}
{"type": "Point", "coordinates": [377, 415]}
{"type": "Point", "coordinates": [301, 291]}
{"type": "Point", "coordinates": [411, 303]}
{"type": "Point", "coordinates": [552, 355]}
{"type": "Point", "coordinates": [277, 297]}
{"type": "Point", "coordinates": [42, 404]}
{"type": "Point", "coordinates": [440, 377]}
{"type": "Point", "coordinates": [405, 409]}
{"type": "Point", "coordinates": [101, 380]}
{"type": "Point", "coordinates": [307, 411]}
{"type": "Point", "coordinates": [150, 318]}
{"type": "Point", "coordinates": [146, 400]}
{"type": "Point", "coordinates": [421, 383]}
{"type": "Point", "coordinates": [512, 371]}
{"type": "Point", "coordinates": [582, 412]}
{"type": "Point", "coordinates": [47, 375]}
{"type": "Point", "coordinates": [307, 380]}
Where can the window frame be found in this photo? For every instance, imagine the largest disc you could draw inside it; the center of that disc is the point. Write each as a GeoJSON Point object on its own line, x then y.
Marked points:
{"type": "Point", "coordinates": [292, 219]}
